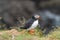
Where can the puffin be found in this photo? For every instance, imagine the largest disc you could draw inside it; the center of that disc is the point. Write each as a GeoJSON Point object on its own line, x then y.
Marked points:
{"type": "Point", "coordinates": [31, 23]}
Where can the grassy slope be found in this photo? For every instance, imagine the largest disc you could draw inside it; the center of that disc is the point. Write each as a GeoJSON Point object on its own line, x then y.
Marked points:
{"type": "Point", "coordinates": [26, 36]}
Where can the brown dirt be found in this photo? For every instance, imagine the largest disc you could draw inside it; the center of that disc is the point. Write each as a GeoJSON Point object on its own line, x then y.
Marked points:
{"type": "Point", "coordinates": [12, 31]}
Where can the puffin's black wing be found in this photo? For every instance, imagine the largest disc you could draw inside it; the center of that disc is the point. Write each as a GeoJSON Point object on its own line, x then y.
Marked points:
{"type": "Point", "coordinates": [28, 24]}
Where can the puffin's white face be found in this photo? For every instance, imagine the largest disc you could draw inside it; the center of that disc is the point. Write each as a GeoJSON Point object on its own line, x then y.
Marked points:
{"type": "Point", "coordinates": [0, 17]}
{"type": "Point", "coordinates": [37, 16]}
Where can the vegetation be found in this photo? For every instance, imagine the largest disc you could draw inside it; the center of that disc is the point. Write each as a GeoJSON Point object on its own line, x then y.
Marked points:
{"type": "Point", "coordinates": [24, 35]}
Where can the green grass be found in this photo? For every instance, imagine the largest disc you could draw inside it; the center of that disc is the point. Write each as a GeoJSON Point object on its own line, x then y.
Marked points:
{"type": "Point", "coordinates": [38, 36]}
{"type": "Point", "coordinates": [5, 36]}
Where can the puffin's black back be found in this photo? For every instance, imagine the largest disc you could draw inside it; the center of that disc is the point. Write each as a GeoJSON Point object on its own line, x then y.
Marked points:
{"type": "Point", "coordinates": [29, 23]}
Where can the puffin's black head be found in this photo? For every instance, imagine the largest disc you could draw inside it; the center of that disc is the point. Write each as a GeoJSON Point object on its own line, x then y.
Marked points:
{"type": "Point", "coordinates": [36, 17]}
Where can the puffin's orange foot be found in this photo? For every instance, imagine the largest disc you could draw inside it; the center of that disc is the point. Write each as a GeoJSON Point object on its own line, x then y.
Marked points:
{"type": "Point", "coordinates": [31, 32]}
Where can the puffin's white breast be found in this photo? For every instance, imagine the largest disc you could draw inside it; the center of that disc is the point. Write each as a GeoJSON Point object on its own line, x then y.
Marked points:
{"type": "Point", "coordinates": [35, 24]}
